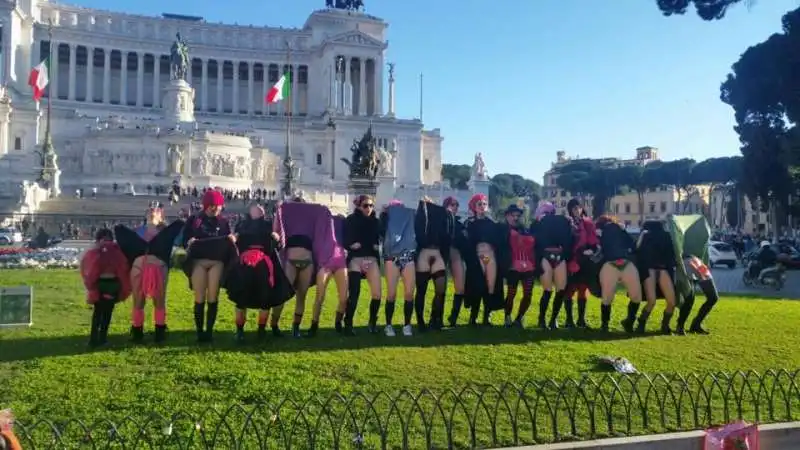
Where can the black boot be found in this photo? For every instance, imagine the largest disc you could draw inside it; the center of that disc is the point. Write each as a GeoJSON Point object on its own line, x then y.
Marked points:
{"type": "Point", "coordinates": [570, 323]}
{"type": "Point", "coordinates": [437, 310]}
{"type": "Point", "coordinates": [487, 313]}
{"type": "Point", "coordinates": [161, 333]}
{"type": "Point", "coordinates": [337, 322]}
{"type": "Point", "coordinates": [458, 300]}
{"type": "Point", "coordinates": [94, 330]}
{"type": "Point", "coordinates": [296, 331]}
{"type": "Point", "coordinates": [582, 313]}
{"type": "Point", "coordinates": [473, 315]}
{"type": "Point", "coordinates": [211, 320]}
{"type": "Point", "coordinates": [419, 299]}
{"type": "Point", "coordinates": [683, 314]}
{"type": "Point", "coordinates": [261, 334]}
{"type": "Point", "coordinates": [665, 323]}
{"type": "Point", "coordinates": [349, 316]}
{"type": "Point", "coordinates": [354, 290]}
{"type": "Point", "coordinates": [544, 303]}
{"type": "Point", "coordinates": [558, 302]}
{"type": "Point", "coordinates": [239, 336]}
{"type": "Point", "coordinates": [199, 320]}
{"type": "Point", "coordinates": [629, 321]}
{"type": "Point", "coordinates": [137, 334]}
{"type": "Point", "coordinates": [605, 316]}
{"type": "Point", "coordinates": [276, 330]}
{"type": "Point", "coordinates": [640, 328]}
{"type": "Point", "coordinates": [702, 313]}
{"type": "Point", "coordinates": [314, 328]}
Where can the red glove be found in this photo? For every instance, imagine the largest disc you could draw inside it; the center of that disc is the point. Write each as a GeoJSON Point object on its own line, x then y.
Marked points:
{"type": "Point", "coordinates": [573, 267]}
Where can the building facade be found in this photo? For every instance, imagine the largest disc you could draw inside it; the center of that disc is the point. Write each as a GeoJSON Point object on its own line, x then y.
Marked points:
{"type": "Point", "coordinates": [119, 115]}
{"type": "Point", "coordinates": [656, 204]}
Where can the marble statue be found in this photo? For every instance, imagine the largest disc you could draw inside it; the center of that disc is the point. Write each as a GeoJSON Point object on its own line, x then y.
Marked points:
{"type": "Point", "coordinates": [479, 168]}
{"type": "Point", "coordinates": [174, 158]}
{"type": "Point", "coordinates": [204, 167]}
{"type": "Point", "coordinates": [386, 163]}
{"type": "Point", "coordinates": [364, 164]}
{"type": "Point", "coordinates": [257, 170]}
{"type": "Point", "coordinates": [178, 59]}
{"type": "Point", "coordinates": [391, 71]}
{"type": "Point", "coordinates": [240, 169]}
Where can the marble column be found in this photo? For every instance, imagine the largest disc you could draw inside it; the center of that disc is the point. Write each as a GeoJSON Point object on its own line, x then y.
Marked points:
{"type": "Point", "coordinates": [347, 103]}
{"type": "Point", "coordinates": [89, 75]}
{"type": "Point", "coordinates": [156, 81]}
{"type": "Point", "coordinates": [139, 79]}
{"type": "Point", "coordinates": [250, 86]}
{"type": "Point", "coordinates": [296, 90]}
{"type": "Point", "coordinates": [123, 79]}
{"type": "Point", "coordinates": [106, 75]}
{"type": "Point", "coordinates": [204, 85]}
{"type": "Point", "coordinates": [265, 89]}
{"type": "Point", "coordinates": [73, 65]}
{"type": "Point", "coordinates": [235, 103]}
{"type": "Point", "coordinates": [220, 85]}
{"type": "Point", "coordinates": [362, 87]}
{"type": "Point", "coordinates": [378, 86]}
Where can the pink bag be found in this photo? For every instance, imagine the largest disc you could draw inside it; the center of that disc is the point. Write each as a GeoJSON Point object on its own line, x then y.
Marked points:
{"type": "Point", "coordinates": [738, 435]}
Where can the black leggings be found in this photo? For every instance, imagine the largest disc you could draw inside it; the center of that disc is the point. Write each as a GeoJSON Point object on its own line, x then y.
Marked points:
{"type": "Point", "coordinates": [513, 279]}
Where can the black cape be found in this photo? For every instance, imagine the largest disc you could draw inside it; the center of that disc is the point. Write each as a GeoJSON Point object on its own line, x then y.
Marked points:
{"type": "Point", "coordinates": [218, 248]}
{"type": "Point", "coordinates": [475, 288]}
{"type": "Point", "coordinates": [134, 246]}
{"type": "Point", "coordinates": [248, 285]}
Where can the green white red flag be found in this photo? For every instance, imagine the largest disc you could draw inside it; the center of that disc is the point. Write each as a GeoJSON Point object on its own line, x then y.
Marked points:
{"type": "Point", "coordinates": [281, 90]}
{"type": "Point", "coordinates": [39, 79]}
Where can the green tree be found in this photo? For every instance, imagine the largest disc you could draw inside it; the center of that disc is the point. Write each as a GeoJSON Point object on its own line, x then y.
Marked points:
{"type": "Point", "coordinates": [457, 174]}
{"type": "Point", "coordinates": [762, 90]}
{"type": "Point", "coordinates": [639, 179]}
{"type": "Point", "coordinates": [592, 179]}
{"type": "Point", "coordinates": [706, 9]}
{"type": "Point", "coordinates": [677, 174]}
{"type": "Point", "coordinates": [506, 188]}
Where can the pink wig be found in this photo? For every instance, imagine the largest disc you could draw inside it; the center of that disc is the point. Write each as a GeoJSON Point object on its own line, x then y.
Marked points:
{"type": "Point", "coordinates": [473, 202]}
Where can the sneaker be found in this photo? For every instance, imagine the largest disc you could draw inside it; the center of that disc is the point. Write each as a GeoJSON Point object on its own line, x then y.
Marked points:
{"type": "Point", "coordinates": [389, 331]}
{"type": "Point", "coordinates": [239, 336]}
{"type": "Point", "coordinates": [518, 324]}
{"type": "Point", "coordinates": [407, 330]}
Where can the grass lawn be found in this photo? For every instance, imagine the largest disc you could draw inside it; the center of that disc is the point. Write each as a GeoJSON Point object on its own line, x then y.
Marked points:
{"type": "Point", "coordinates": [48, 372]}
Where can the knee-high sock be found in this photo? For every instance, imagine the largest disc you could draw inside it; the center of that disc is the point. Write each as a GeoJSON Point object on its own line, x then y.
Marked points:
{"type": "Point", "coordinates": [241, 318]}
{"type": "Point", "coordinates": [199, 316]}
{"type": "Point", "coordinates": [440, 289]}
{"type": "Point", "coordinates": [582, 307]}
{"type": "Point", "coordinates": [605, 315]}
{"type": "Point", "coordinates": [97, 319]}
{"type": "Point", "coordinates": [160, 316]}
{"type": "Point", "coordinates": [105, 323]}
{"type": "Point", "coordinates": [633, 308]}
{"type": "Point", "coordinates": [544, 302]}
{"type": "Point", "coordinates": [211, 318]}
{"type": "Point", "coordinates": [408, 311]}
{"type": "Point", "coordinates": [568, 310]}
{"type": "Point", "coordinates": [137, 317]}
{"type": "Point", "coordinates": [389, 312]}
{"type": "Point", "coordinates": [527, 295]}
{"type": "Point", "coordinates": [353, 292]}
{"type": "Point", "coordinates": [458, 300]}
{"type": "Point", "coordinates": [558, 302]}
{"type": "Point", "coordinates": [419, 300]}
{"type": "Point", "coordinates": [511, 294]}
{"type": "Point", "coordinates": [374, 307]}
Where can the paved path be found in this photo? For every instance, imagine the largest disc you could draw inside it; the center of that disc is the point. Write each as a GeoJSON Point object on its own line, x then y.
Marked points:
{"type": "Point", "coordinates": [729, 281]}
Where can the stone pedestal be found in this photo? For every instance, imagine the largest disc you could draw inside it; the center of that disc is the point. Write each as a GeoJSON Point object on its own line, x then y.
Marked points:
{"type": "Point", "coordinates": [363, 186]}
{"type": "Point", "coordinates": [385, 191]}
{"type": "Point", "coordinates": [178, 102]}
{"type": "Point", "coordinates": [479, 185]}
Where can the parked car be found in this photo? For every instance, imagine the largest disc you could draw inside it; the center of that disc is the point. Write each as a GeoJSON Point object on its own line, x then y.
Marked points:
{"type": "Point", "coordinates": [9, 236]}
{"type": "Point", "coordinates": [721, 253]}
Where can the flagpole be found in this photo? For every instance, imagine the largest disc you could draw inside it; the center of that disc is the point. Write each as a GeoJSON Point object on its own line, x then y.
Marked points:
{"type": "Point", "coordinates": [47, 144]}
{"type": "Point", "coordinates": [420, 97]}
{"type": "Point", "coordinates": [288, 163]}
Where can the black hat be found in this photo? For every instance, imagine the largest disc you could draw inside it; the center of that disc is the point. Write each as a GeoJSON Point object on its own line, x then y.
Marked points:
{"type": "Point", "coordinates": [513, 209]}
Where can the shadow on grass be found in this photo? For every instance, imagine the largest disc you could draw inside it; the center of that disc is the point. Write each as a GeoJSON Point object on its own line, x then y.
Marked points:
{"type": "Point", "coordinates": [24, 349]}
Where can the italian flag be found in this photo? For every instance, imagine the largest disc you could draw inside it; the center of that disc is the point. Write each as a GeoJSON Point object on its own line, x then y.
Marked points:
{"type": "Point", "coordinates": [39, 79]}
{"type": "Point", "coordinates": [281, 90]}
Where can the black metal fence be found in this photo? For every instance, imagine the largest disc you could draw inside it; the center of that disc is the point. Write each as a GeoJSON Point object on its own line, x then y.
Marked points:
{"type": "Point", "coordinates": [472, 417]}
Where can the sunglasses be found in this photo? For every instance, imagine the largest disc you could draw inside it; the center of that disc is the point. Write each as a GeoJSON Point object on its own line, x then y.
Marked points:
{"type": "Point", "coordinates": [481, 204]}
{"type": "Point", "coordinates": [367, 205]}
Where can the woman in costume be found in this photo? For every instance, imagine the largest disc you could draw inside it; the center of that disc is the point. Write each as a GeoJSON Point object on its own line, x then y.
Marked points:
{"type": "Point", "coordinates": [105, 274]}
{"type": "Point", "coordinates": [686, 308]}
{"type": "Point", "coordinates": [656, 264]}
{"type": "Point", "coordinates": [433, 227]}
{"type": "Point", "coordinates": [554, 242]}
{"type": "Point", "coordinates": [523, 266]}
{"type": "Point", "coordinates": [399, 253]}
{"type": "Point", "coordinates": [456, 263]}
{"type": "Point", "coordinates": [582, 271]}
{"type": "Point", "coordinates": [484, 274]}
{"type": "Point", "coordinates": [618, 250]}
{"type": "Point", "coordinates": [209, 243]}
{"type": "Point", "coordinates": [362, 235]}
{"type": "Point", "coordinates": [336, 269]}
{"type": "Point", "coordinates": [258, 280]}
{"type": "Point", "coordinates": [149, 251]}
{"type": "Point", "coordinates": [308, 238]}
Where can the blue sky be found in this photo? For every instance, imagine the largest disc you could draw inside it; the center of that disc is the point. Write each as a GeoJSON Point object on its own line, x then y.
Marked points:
{"type": "Point", "coordinates": [521, 81]}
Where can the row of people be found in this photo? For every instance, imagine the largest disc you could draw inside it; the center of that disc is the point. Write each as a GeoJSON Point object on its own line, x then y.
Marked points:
{"type": "Point", "coordinates": [264, 262]}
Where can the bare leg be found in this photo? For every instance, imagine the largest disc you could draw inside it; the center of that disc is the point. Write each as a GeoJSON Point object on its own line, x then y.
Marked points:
{"type": "Point", "coordinates": [303, 282]}
{"type": "Point", "coordinates": [630, 279]}
{"type": "Point", "coordinates": [439, 277]}
{"type": "Point", "coordinates": [373, 274]}
{"type": "Point", "coordinates": [560, 284]}
{"type": "Point", "coordinates": [609, 277]}
{"type": "Point", "coordinates": [668, 288]}
{"type": "Point", "coordinates": [546, 279]}
{"type": "Point", "coordinates": [214, 280]}
{"type": "Point", "coordinates": [392, 279]}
